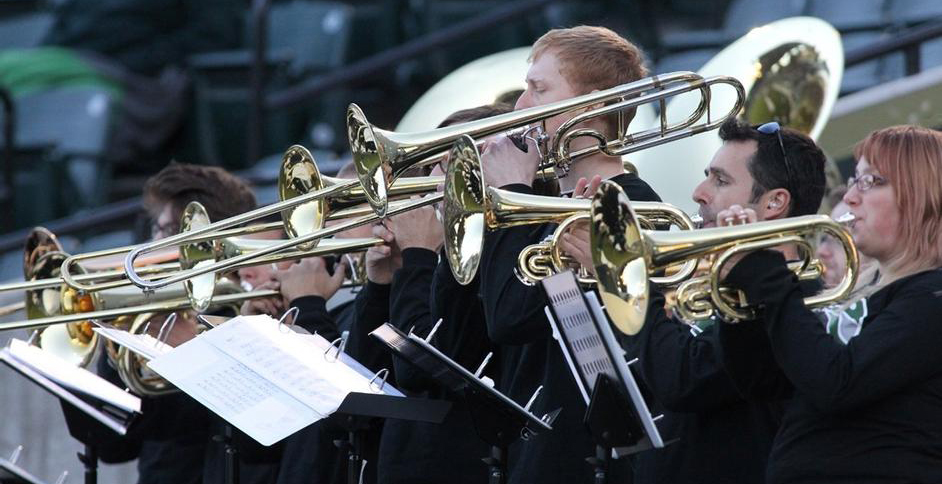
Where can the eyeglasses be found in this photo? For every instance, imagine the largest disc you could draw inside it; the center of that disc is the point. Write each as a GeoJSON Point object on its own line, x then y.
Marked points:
{"type": "Point", "coordinates": [774, 128]}
{"type": "Point", "coordinates": [865, 182]}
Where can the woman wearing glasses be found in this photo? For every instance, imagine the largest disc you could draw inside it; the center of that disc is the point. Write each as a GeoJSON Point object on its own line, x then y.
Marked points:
{"type": "Point", "coordinates": [868, 408]}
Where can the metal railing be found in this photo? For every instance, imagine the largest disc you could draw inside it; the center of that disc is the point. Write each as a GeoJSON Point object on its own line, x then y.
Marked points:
{"type": "Point", "coordinates": [261, 102]}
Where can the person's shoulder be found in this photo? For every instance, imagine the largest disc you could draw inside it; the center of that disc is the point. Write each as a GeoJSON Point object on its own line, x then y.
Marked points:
{"type": "Point", "coordinates": [636, 188]}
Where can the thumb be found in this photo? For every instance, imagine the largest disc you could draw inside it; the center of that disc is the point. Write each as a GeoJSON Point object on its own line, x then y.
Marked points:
{"type": "Point", "coordinates": [340, 273]}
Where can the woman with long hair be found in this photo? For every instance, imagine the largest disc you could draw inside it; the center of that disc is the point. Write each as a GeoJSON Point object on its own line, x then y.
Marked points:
{"type": "Point", "coordinates": [865, 407]}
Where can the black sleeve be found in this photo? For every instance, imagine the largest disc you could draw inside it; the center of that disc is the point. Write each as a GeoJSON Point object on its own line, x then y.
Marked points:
{"type": "Point", "coordinates": [897, 347]}
{"type": "Point", "coordinates": [313, 316]}
{"type": "Point", "coordinates": [409, 309]}
{"type": "Point", "coordinates": [463, 333]}
{"type": "Point", "coordinates": [371, 310]}
{"type": "Point", "coordinates": [683, 371]}
{"type": "Point", "coordinates": [513, 311]}
{"type": "Point", "coordinates": [747, 358]}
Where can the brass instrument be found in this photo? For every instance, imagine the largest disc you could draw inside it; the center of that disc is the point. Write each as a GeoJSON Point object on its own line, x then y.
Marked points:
{"type": "Point", "coordinates": [353, 217]}
{"type": "Point", "coordinates": [791, 70]}
{"type": "Point", "coordinates": [200, 289]}
{"type": "Point", "coordinates": [382, 156]}
{"type": "Point", "coordinates": [74, 342]}
{"type": "Point", "coordinates": [625, 255]}
{"type": "Point", "coordinates": [470, 209]}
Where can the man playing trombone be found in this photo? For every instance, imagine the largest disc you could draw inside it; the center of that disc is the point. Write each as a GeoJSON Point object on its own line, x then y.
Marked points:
{"type": "Point", "coordinates": [565, 63]}
{"type": "Point", "coordinates": [776, 172]}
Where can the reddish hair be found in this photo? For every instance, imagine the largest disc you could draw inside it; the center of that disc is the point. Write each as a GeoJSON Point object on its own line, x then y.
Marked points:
{"type": "Point", "coordinates": [593, 58]}
{"type": "Point", "coordinates": [910, 157]}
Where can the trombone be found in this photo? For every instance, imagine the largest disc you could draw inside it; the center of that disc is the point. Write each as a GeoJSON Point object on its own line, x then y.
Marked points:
{"type": "Point", "coordinates": [298, 178]}
{"type": "Point", "coordinates": [253, 257]}
{"type": "Point", "coordinates": [625, 255]}
{"type": "Point", "coordinates": [470, 209]}
{"type": "Point", "coordinates": [382, 156]}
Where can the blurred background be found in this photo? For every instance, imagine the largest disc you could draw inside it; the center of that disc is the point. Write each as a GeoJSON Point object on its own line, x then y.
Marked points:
{"type": "Point", "coordinates": [97, 95]}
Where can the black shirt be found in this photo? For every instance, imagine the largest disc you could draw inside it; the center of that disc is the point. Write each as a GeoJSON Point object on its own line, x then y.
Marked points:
{"type": "Point", "coordinates": [868, 411]}
{"type": "Point", "coordinates": [419, 452]}
{"type": "Point", "coordinates": [530, 357]}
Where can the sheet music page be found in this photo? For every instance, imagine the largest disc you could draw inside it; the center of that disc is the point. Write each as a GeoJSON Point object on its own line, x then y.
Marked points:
{"type": "Point", "coordinates": [288, 361]}
{"type": "Point", "coordinates": [72, 377]}
{"type": "Point", "coordinates": [233, 391]}
{"type": "Point", "coordinates": [142, 344]}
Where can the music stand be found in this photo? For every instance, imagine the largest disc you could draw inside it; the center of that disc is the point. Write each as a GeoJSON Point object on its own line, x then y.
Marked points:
{"type": "Point", "coordinates": [498, 420]}
{"type": "Point", "coordinates": [84, 418]}
{"type": "Point", "coordinates": [617, 416]}
{"type": "Point", "coordinates": [359, 411]}
{"type": "Point", "coordinates": [10, 473]}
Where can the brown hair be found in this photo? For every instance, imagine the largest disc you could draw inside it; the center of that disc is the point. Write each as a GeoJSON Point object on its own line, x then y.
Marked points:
{"type": "Point", "coordinates": [910, 157]}
{"type": "Point", "coordinates": [593, 58]}
{"type": "Point", "coordinates": [222, 193]}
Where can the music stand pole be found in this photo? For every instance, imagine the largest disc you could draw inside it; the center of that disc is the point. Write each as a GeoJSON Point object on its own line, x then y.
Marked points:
{"type": "Point", "coordinates": [232, 455]}
{"type": "Point", "coordinates": [89, 460]}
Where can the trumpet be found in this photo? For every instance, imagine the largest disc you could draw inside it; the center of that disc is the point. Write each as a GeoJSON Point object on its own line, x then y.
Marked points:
{"type": "Point", "coordinates": [382, 156]}
{"type": "Point", "coordinates": [470, 209]}
{"type": "Point", "coordinates": [625, 255]}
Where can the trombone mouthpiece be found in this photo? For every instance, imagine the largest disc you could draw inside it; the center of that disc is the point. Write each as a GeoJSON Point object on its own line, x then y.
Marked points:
{"type": "Point", "coordinates": [697, 220]}
{"type": "Point", "coordinates": [846, 218]}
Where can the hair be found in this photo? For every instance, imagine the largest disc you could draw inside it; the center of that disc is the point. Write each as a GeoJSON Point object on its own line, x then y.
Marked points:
{"type": "Point", "coordinates": [222, 193]}
{"type": "Point", "coordinates": [910, 158]}
{"type": "Point", "coordinates": [593, 58]}
{"type": "Point", "coordinates": [768, 170]}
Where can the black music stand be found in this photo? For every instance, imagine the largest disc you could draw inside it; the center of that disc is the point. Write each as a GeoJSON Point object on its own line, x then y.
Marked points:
{"type": "Point", "coordinates": [88, 419]}
{"type": "Point", "coordinates": [498, 420]}
{"type": "Point", "coordinates": [359, 412]}
{"type": "Point", "coordinates": [617, 416]}
{"type": "Point", "coordinates": [10, 473]}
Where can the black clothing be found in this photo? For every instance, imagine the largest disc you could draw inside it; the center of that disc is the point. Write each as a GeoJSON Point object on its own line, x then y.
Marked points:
{"type": "Point", "coordinates": [169, 438]}
{"type": "Point", "coordinates": [868, 411]}
{"type": "Point", "coordinates": [419, 452]}
{"type": "Point", "coordinates": [310, 456]}
{"type": "Point", "coordinates": [530, 357]}
{"type": "Point", "coordinates": [721, 436]}
{"type": "Point", "coordinates": [147, 35]}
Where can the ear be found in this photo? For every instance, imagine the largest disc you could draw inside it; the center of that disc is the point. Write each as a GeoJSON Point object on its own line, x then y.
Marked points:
{"type": "Point", "coordinates": [776, 202]}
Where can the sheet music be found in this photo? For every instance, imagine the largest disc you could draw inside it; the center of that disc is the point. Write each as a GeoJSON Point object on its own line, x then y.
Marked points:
{"type": "Point", "coordinates": [262, 378]}
{"type": "Point", "coordinates": [234, 392]}
{"type": "Point", "coordinates": [72, 377]}
{"type": "Point", "coordinates": [142, 344]}
{"type": "Point", "coordinates": [589, 344]}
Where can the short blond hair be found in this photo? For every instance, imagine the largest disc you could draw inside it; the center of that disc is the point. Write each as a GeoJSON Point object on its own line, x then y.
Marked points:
{"type": "Point", "coordinates": [593, 58]}
{"type": "Point", "coordinates": [910, 157]}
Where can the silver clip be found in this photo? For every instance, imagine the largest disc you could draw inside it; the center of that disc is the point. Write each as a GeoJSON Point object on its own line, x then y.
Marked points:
{"type": "Point", "coordinates": [63, 477]}
{"type": "Point", "coordinates": [166, 328]}
{"type": "Point", "coordinates": [15, 456]}
{"type": "Point", "coordinates": [632, 361]}
{"type": "Point", "coordinates": [385, 374]}
{"type": "Point", "coordinates": [206, 322]}
{"type": "Point", "coordinates": [340, 344]}
{"type": "Point", "coordinates": [655, 419]}
{"type": "Point", "coordinates": [362, 470]}
{"type": "Point", "coordinates": [293, 312]}
{"type": "Point", "coordinates": [431, 333]}
{"type": "Point", "coordinates": [533, 398]}
{"type": "Point", "coordinates": [33, 336]}
{"type": "Point", "coordinates": [487, 358]}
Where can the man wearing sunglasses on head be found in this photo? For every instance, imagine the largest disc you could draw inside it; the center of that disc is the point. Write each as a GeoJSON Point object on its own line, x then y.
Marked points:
{"type": "Point", "coordinates": [723, 437]}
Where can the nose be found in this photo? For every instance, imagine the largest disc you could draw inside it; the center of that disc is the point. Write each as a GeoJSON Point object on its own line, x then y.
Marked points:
{"type": "Point", "coordinates": [523, 101]}
{"type": "Point", "coordinates": [852, 196]}
{"type": "Point", "coordinates": [700, 194]}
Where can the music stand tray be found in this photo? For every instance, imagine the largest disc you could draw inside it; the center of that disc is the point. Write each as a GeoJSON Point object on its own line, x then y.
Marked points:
{"type": "Point", "coordinates": [11, 473]}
